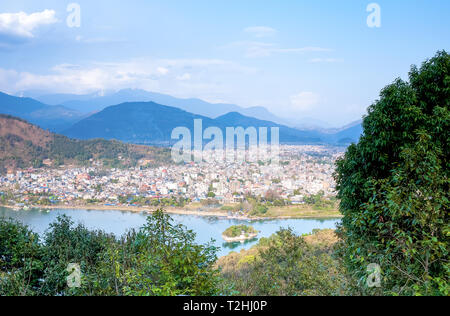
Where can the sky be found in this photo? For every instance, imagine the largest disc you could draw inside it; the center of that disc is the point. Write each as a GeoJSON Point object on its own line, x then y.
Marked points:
{"type": "Point", "coordinates": [324, 60]}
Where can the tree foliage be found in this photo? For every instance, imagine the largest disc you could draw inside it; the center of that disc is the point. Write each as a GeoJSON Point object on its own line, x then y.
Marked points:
{"type": "Point", "coordinates": [17, 151]}
{"type": "Point", "coordinates": [394, 186]}
{"type": "Point", "coordinates": [238, 230]}
{"type": "Point", "coordinates": [20, 259]}
{"type": "Point", "coordinates": [283, 265]}
{"type": "Point", "coordinates": [161, 258]}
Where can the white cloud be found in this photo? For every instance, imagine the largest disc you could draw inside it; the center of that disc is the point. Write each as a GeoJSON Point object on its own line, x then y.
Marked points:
{"type": "Point", "coordinates": [262, 49]}
{"type": "Point", "coordinates": [304, 101]}
{"type": "Point", "coordinates": [22, 24]}
{"type": "Point", "coordinates": [209, 79]}
{"type": "Point", "coordinates": [260, 31]}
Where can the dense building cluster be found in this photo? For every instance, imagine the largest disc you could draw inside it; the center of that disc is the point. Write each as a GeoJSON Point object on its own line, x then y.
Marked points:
{"type": "Point", "coordinates": [302, 171]}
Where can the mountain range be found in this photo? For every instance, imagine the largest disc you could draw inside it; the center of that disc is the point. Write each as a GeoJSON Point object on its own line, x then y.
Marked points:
{"type": "Point", "coordinates": [151, 122]}
{"type": "Point", "coordinates": [95, 102]}
{"type": "Point", "coordinates": [54, 118]}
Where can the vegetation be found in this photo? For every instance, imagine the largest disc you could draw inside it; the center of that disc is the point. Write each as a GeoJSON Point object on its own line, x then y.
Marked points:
{"type": "Point", "coordinates": [159, 259]}
{"type": "Point", "coordinates": [239, 230]}
{"type": "Point", "coordinates": [24, 145]}
{"type": "Point", "coordinates": [210, 202]}
{"type": "Point", "coordinates": [394, 186]}
{"type": "Point", "coordinates": [173, 201]}
{"type": "Point", "coordinates": [319, 202]}
{"type": "Point", "coordinates": [162, 259]}
{"type": "Point", "coordinates": [313, 206]}
{"type": "Point", "coordinates": [285, 265]}
{"type": "Point", "coordinates": [300, 211]}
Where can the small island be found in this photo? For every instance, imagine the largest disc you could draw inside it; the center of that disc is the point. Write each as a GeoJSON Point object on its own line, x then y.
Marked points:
{"type": "Point", "coordinates": [239, 233]}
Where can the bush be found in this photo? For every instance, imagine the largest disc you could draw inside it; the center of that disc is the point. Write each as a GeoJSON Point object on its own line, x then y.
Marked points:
{"type": "Point", "coordinates": [283, 265]}
{"type": "Point", "coordinates": [159, 259]}
{"type": "Point", "coordinates": [21, 264]}
{"type": "Point", "coordinates": [394, 186]}
{"type": "Point", "coordinates": [238, 230]}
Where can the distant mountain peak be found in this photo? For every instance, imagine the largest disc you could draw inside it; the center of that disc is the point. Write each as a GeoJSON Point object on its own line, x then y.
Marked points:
{"type": "Point", "coordinates": [231, 115]}
{"type": "Point", "coordinates": [50, 117]}
{"type": "Point", "coordinates": [93, 103]}
{"type": "Point", "coordinates": [152, 123]}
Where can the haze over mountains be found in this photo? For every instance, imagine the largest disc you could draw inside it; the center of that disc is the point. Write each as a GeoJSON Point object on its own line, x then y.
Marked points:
{"type": "Point", "coordinates": [152, 123]}
{"type": "Point", "coordinates": [95, 102]}
{"type": "Point", "coordinates": [54, 118]}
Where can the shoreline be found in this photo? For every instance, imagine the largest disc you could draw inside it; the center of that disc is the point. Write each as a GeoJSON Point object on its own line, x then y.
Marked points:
{"type": "Point", "coordinates": [176, 211]}
{"type": "Point", "coordinates": [241, 238]}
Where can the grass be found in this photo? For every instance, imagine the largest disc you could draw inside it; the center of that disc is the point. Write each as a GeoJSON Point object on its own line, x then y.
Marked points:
{"type": "Point", "coordinates": [301, 211]}
{"type": "Point", "coordinates": [292, 211]}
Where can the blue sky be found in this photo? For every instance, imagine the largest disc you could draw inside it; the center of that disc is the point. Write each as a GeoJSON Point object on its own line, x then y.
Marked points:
{"type": "Point", "coordinates": [316, 59]}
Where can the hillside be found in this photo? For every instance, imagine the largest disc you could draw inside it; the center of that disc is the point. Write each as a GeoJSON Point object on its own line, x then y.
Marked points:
{"type": "Point", "coordinates": [287, 134]}
{"type": "Point", "coordinates": [54, 118]}
{"type": "Point", "coordinates": [143, 123]}
{"type": "Point", "coordinates": [151, 123]}
{"type": "Point", "coordinates": [306, 261]}
{"type": "Point", "coordinates": [25, 145]}
{"type": "Point", "coordinates": [93, 103]}
{"type": "Point", "coordinates": [348, 135]}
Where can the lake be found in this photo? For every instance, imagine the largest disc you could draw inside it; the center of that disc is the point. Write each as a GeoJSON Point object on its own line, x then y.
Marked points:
{"type": "Point", "coordinates": [206, 228]}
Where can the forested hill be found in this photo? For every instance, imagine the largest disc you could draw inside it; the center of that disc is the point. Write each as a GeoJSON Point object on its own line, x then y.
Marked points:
{"type": "Point", "coordinates": [152, 123]}
{"type": "Point", "coordinates": [25, 145]}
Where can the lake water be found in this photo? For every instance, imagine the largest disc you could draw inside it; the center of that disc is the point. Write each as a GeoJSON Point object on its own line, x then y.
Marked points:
{"type": "Point", "coordinates": [206, 228]}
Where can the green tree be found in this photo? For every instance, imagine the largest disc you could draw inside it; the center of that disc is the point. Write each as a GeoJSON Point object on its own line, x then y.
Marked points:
{"type": "Point", "coordinates": [284, 265]}
{"type": "Point", "coordinates": [394, 186]}
{"type": "Point", "coordinates": [211, 194]}
{"type": "Point", "coordinates": [37, 163]}
{"type": "Point", "coordinates": [20, 259]}
{"type": "Point", "coordinates": [66, 243]}
{"type": "Point", "coordinates": [159, 259]}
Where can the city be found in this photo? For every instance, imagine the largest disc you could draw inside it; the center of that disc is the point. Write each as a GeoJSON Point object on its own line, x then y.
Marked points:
{"type": "Point", "coordinates": [303, 171]}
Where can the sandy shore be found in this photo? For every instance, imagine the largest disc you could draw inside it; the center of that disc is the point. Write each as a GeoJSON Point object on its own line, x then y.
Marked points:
{"type": "Point", "coordinates": [241, 238]}
{"type": "Point", "coordinates": [137, 209]}
{"type": "Point", "coordinates": [175, 210]}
